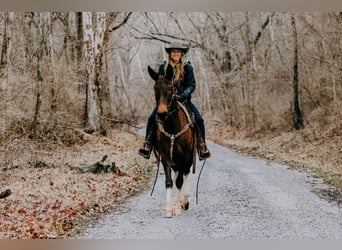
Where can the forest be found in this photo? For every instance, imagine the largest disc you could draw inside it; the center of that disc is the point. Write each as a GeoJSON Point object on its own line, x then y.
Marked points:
{"type": "Point", "coordinates": [270, 71]}
{"type": "Point", "coordinates": [65, 76]}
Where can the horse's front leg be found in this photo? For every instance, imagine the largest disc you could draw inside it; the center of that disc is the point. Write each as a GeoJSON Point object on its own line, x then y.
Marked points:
{"type": "Point", "coordinates": [168, 185]}
{"type": "Point", "coordinates": [185, 192]}
{"type": "Point", "coordinates": [182, 201]}
{"type": "Point", "coordinates": [178, 184]}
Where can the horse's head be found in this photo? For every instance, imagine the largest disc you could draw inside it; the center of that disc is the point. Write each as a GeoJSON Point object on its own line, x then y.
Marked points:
{"type": "Point", "coordinates": [164, 91]}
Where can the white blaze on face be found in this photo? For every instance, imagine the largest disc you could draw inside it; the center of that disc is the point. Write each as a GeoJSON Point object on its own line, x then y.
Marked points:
{"type": "Point", "coordinates": [162, 108]}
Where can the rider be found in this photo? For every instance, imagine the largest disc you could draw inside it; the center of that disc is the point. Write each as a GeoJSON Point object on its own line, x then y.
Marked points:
{"type": "Point", "coordinates": [185, 82]}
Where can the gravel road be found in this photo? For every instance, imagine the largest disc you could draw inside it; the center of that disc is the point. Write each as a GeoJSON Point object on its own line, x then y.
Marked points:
{"type": "Point", "coordinates": [240, 197]}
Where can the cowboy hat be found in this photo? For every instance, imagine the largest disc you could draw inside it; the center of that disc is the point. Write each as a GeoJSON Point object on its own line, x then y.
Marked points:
{"type": "Point", "coordinates": [176, 45]}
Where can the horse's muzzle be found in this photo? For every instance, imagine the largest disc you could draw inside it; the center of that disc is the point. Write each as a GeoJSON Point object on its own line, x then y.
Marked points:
{"type": "Point", "coordinates": [162, 111]}
{"type": "Point", "coordinates": [162, 115]}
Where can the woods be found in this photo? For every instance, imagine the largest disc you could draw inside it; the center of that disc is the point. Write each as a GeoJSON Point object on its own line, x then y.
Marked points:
{"type": "Point", "coordinates": [72, 82]}
{"type": "Point", "coordinates": [243, 64]}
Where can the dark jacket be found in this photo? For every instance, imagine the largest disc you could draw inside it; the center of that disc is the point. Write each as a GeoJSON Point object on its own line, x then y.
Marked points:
{"type": "Point", "coordinates": [188, 84]}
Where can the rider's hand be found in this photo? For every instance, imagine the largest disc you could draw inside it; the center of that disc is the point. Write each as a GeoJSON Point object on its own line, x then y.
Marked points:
{"type": "Point", "coordinates": [180, 97]}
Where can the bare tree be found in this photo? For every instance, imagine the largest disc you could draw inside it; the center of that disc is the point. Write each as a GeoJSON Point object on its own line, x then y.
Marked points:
{"type": "Point", "coordinates": [253, 70]}
{"type": "Point", "coordinates": [79, 37]}
{"type": "Point", "coordinates": [216, 36]}
{"type": "Point", "coordinates": [90, 52]}
{"type": "Point", "coordinates": [320, 44]}
{"type": "Point", "coordinates": [7, 39]}
{"type": "Point", "coordinates": [52, 65]}
{"type": "Point", "coordinates": [95, 39]}
{"type": "Point", "coordinates": [298, 117]}
{"type": "Point", "coordinates": [39, 76]}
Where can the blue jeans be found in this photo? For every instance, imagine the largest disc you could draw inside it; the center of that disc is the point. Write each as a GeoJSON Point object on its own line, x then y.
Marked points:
{"type": "Point", "coordinates": [198, 118]}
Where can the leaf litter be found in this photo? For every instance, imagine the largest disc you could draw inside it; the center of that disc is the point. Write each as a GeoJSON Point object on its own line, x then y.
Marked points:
{"type": "Point", "coordinates": [50, 200]}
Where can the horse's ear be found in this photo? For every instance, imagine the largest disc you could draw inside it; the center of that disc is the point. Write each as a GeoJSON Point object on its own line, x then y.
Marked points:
{"type": "Point", "coordinates": [169, 72]}
{"type": "Point", "coordinates": [152, 73]}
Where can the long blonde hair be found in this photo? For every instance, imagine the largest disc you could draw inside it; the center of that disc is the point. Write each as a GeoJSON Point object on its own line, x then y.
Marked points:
{"type": "Point", "coordinates": [178, 67]}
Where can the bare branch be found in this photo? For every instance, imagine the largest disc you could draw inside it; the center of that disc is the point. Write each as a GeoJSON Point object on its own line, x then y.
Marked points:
{"type": "Point", "coordinates": [127, 15]}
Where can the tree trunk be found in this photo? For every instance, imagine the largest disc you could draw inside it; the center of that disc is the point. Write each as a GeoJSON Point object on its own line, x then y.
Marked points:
{"type": "Point", "coordinates": [125, 77]}
{"type": "Point", "coordinates": [203, 87]}
{"type": "Point", "coordinates": [3, 59]}
{"type": "Point", "coordinates": [79, 43]}
{"type": "Point", "coordinates": [93, 46]}
{"type": "Point", "coordinates": [99, 44]}
{"type": "Point", "coordinates": [66, 41]}
{"type": "Point", "coordinates": [92, 114]}
{"type": "Point", "coordinates": [7, 39]}
{"type": "Point", "coordinates": [36, 118]}
{"type": "Point", "coordinates": [298, 118]}
{"type": "Point", "coordinates": [28, 30]}
{"type": "Point", "coordinates": [51, 54]}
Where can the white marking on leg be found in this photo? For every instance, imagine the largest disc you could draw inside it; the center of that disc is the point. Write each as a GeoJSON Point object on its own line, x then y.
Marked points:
{"type": "Point", "coordinates": [185, 190]}
{"type": "Point", "coordinates": [168, 206]}
{"type": "Point", "coordinates": [178, 208]}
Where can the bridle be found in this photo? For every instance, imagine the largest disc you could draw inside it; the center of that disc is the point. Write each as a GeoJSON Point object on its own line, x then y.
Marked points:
{"type": "Point", "coordinates": [169, 113]}
{"type": "Point", "coordinates": [173, 98]}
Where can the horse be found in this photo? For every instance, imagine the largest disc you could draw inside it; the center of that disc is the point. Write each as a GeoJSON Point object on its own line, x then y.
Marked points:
{"type": "Point", "coordinates": [174, 141]}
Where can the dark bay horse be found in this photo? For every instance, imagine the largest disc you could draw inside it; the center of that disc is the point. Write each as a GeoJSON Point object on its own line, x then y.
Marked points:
{"type": "Point", "coordinates": [175, 141]}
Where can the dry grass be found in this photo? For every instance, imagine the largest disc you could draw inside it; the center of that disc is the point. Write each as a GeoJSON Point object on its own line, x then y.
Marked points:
{"type": "Point", "coordinates": [315, 151]}
{"type": "Point", "coordinates": [52, 201]}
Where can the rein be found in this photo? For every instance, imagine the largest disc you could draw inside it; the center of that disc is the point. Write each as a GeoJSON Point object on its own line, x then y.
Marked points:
{"type": "Point", "coordinates": [158, 164]}
{"type": "Point", "coordinates": [199, 176]}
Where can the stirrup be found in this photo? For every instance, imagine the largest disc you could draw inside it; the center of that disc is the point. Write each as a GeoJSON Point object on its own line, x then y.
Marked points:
{"type": "Point", "coordinates": [203, 152]}
{"type": "Point", "coordinates": [145, 151]}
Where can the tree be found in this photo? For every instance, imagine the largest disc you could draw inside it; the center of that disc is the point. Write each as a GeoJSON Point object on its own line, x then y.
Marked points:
{"type": "Point", "coordinates": [52, 64]}
{"type": "Point", "coordinates": [298, 117]}
{"type": "Point", "coordinates": [7, 39]}
{"type": "Point", "coordinates": [219, 37]}
{"type": "Point", "coordinates": [79, 37]}
{"type": "Point", "coordinates": [95, 38]}
{"type": "Point", "coordinates": [39, 76]}
{"type": "Point", "coordinates": [91, 39]}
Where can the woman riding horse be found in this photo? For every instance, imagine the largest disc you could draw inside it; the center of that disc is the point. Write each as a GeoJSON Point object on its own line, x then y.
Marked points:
{"type": "Point", "coordinates": [184, 79]}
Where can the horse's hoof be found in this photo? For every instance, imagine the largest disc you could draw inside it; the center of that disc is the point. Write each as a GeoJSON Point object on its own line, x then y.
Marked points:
{"type": "Point", "coordinates": [178, 211]}
{"type": "Point", "coordinates": [185, 206]}
{"type": "Point", "coordinates": [168, 213]}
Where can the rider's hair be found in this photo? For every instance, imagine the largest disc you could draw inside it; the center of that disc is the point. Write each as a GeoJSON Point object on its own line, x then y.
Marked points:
{"type": "Point", "coordinates": [178, 68]}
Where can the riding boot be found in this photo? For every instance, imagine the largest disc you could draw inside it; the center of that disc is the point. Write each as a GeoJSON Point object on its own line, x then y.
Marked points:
{"type": "Point", "coordinates": [146, 149]}
{"type": "Point", "coordinates": [203, 152]}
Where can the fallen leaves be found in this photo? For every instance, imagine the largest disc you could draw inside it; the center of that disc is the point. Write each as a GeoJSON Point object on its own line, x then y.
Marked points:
{"type": "Point", "coordinates": [56, 202]}
{"type": "Point", "coordinates": [22, 211]}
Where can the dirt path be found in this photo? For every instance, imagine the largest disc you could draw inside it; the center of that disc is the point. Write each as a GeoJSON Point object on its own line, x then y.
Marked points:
{"type": "Point", "coordinates": [239, 198]}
